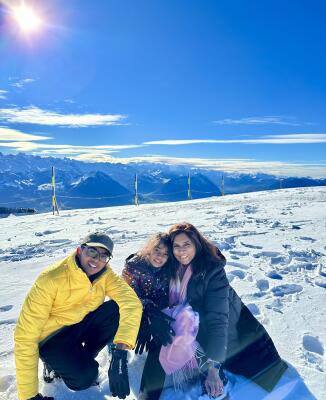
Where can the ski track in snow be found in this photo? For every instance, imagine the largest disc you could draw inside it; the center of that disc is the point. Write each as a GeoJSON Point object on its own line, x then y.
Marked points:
{"type": "Point", "coordinates": [274, 243]}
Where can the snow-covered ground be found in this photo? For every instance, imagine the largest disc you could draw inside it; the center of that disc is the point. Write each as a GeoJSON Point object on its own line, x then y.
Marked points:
{"type": "Point", "coordinates": [275, 244]}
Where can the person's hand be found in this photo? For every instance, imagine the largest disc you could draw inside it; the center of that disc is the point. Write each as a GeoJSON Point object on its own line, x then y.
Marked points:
{"type": "Point", "coordinates": [160, 325]}
{"type": "Point", "coordinates": [40, 397]}
{"type": "Point", "coordinates": [144, 336]}
{"type": "Point", "coordinates": [213, 384]}
{"type": "Point", "coordinates": [118, 374]}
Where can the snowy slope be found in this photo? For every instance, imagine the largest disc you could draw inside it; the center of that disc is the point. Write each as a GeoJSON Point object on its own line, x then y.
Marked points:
{"type": "Point", "coordinates": [275, 244]}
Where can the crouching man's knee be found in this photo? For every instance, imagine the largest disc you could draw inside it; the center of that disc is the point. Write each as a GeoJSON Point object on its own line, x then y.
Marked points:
{"type": "Point", "coordinates": [83, 378]}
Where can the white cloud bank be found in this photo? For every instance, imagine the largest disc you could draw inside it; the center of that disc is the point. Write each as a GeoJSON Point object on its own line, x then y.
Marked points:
{"type": "Point", "coordinates": [36, 115]}
{"type": "Point", "coordinates": [64, 149]}
{"type": "Point", "coordinates": [265, 120]}
{"type": "Point", "coordinates": [270, 139]}
{"type": "Point", "coordinates": [8, 134]}
{"type": "Point", "coordinates": [245, 166]}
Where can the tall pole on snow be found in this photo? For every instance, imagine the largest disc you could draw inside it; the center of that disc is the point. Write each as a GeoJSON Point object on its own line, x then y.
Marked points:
{"type": "Point", "coordinates": [136, 190]}
{"type": "Point", "coordinates": [189, 187]}
{"type": "Point", "coordinates": [222, 185]}
{"type": "Point", "coordinates": [54, 199]}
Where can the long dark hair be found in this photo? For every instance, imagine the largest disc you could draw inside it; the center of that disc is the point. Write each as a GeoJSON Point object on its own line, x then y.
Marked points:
{"type": "Point", "coordinates": [207, 254]}
{"type": "Point", "coordinates": [156, 240]}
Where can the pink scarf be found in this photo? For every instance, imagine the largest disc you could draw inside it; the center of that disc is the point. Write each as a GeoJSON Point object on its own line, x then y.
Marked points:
{"type": "Point", "coordinates": [178, 289]}
{"type": "Point", "coordinates": [178, 358]}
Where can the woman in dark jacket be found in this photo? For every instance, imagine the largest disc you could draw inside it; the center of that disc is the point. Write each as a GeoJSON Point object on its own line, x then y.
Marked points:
{"type": "Point", "coordinates": [229, 334]}
{"type": "Point", "coordinates": [149, 272]}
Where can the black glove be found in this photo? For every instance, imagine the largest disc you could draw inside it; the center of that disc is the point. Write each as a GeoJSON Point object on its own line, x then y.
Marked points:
{"type": "Point", "coordinates": [118, 374]}
{"type": "Point", "coordinates": [160, 325]}
{"type": "Point", "coordinates": [144, 336]}
{"type": "Point", "coordinates": [40, 397]}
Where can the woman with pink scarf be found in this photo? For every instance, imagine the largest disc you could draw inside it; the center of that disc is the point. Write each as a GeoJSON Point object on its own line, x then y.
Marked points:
{"type": "Point", "coordinates": [214, 330]}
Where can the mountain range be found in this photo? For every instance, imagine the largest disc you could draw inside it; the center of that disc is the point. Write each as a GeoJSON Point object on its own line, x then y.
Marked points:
{"type": "Point", "coordinates": [25, 181]}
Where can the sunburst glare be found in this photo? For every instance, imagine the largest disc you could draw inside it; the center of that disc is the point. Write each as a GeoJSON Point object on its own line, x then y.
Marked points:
{"type": "Point", "coordinates": [27, 18]}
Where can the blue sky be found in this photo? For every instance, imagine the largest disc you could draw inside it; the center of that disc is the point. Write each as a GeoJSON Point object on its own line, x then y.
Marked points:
{"type": "Point", "coordinates": [230, 85]}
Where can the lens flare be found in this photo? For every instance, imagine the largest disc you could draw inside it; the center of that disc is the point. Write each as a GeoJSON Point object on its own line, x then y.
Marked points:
{"type": "Point", "coordinates": [27, 18]}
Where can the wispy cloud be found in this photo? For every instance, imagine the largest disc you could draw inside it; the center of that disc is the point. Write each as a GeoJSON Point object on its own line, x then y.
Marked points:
{"type": "Point", "coordinates": [21, 83]}
{"type": "Point", "coordinates": [24, 142]}
{"type": "Point", "coordinates": [267, 120]}
{"type": "Point", "coordinates": [36, 115]}
{"type": "Point", "coordinates": [301, 136]}
{"type": "Point", "coordinates": [268, 139]}
{"type": "Point", "coordinates": [3, 94]}
{"type": "Point", "coordinates": [8, 134]}
{"type": "Point", "coordinates": [178, 142]}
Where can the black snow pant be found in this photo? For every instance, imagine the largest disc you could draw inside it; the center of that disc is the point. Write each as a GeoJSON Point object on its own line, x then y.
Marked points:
{"type": "Point", "coordinates": [152, 381]}
{"type": "Point", "coordinates": [71, 352]}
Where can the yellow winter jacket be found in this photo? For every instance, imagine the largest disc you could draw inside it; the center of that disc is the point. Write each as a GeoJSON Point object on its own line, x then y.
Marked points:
{"type": "Point", "coordinates": [62, 295]}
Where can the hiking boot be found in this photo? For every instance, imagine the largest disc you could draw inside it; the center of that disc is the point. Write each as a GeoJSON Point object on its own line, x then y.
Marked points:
{"type": "Point", "coordinates": [49, 374]}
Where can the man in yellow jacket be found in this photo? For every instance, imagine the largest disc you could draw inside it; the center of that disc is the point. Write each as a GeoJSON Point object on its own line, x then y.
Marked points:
{"type": "Point", "coordinates": [66, 321]}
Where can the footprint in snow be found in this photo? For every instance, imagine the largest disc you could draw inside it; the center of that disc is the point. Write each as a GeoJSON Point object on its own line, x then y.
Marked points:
{"type": "Point", "coordinates": [321, 272]}
{"type": "Point", "coordinates": [58, 241]}
{"type": "Point", "coordinates": [288, 289]}
{"type": "Point", "coordinates": [47, 232]}
{"type": "Point", "coordinates": [6, 308]}
{"type": "Point", "coordinates": [236, 273]}
{"type": "Point", "coordinates": [262, 285]}
{"type": "Point", "coordinates": [250, 209]}
{"type": "Point", "coordinates": [267, 254]}
{"type": "Point", "coordinates": [278, 260]}
{"type": "Point", "coordinates": [251, 246]}
{"type": "Point", "coordinates": [313, 351]}
{"type": "Point", "coordinates": [274, 275]}
{"type": "Point", "coordinates": [313, 344]}
{"type": "Point", "coordinates": [276, 306]}
{"type": "Point", "coordinates": [5, 382]}
{"type": "Point", "coordinates": [239, 253]}
{"type": "Point", "coordinates": [296, 227]}
{"type": "Point", "coordinates": [275, 224]}
{"type": "Point", "coordinates": [321, 283]}
{"type": "Point", "coordinates": [307, 238]}
{"type": "Point", "coordinates": [237, 265]}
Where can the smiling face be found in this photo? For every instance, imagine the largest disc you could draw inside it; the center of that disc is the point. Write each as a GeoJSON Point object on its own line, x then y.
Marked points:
{"type": "Point", "coordinates": [90, 263]}
{"type": "Point", "coordinates": [158, 256]}
{"type": "Point", "coordinates": [184, 249]}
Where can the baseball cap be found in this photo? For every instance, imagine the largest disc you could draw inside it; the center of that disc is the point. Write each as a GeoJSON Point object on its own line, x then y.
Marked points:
{"type": "Point", "coordinates": [98, 239]}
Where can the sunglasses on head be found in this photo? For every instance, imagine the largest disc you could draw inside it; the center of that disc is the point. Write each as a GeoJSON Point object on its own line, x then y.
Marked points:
{"type": "Point", "coordinates": [96, 255]}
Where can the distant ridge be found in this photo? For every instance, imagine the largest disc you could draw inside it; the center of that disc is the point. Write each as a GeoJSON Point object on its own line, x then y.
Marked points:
{"type": "Point", "coordinates": [5, 211]}
{"type": "Point", "coordinates": [25, 181]}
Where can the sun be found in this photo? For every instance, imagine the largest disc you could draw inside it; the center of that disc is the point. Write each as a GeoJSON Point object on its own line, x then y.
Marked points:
{"type": "Point", "coordinates": [27, 18]}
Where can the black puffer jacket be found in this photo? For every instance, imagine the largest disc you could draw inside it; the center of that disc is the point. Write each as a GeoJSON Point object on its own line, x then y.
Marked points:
{"type": "Point", "coordinates": [150, 284]}
{"type": "Point", "coordinates": [228, 332]}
